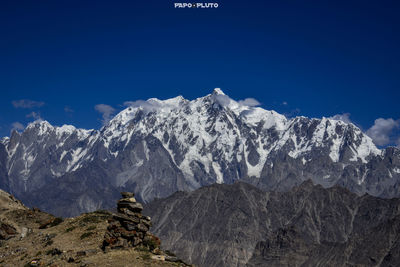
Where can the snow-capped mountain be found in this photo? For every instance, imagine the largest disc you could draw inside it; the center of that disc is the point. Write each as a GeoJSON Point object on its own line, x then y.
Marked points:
{"type": "Point", "coordinates": [157, 147]}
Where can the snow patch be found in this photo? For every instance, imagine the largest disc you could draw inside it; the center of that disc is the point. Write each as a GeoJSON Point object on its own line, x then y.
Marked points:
{"type": "Point", "coordinates": [217, 170]}
{"type": "Point", "coordinates": [56, 174]}
{"type": "Point", "coordinates": [366, 148]}
{"type": "Point", "coordinates": [63, 155]}
{"type": "Point", "coordinates": [76, 155]}
{"type": "Point", "coordinates": [146, 150]}
{"type": "Point", "coordinates": [362, 180]}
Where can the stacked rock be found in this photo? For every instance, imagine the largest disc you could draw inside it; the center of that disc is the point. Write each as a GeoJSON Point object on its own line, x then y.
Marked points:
{"type": "Point", "coordinates": [128, 227]}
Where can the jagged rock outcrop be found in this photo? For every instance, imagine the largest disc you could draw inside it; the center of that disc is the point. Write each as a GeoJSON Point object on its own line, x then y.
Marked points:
{"type": "Point", "coordinates": [7, 231]}
{"type": "Point", "coordinates": [240, 225]}
{"type": "Point", "coordinates": [128, 227]}
{"type": "Point", "coordinates": [157, 147]}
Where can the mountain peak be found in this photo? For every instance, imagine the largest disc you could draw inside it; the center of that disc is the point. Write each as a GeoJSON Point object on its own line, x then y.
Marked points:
{"type": "Point", "coordinates": [40, 124]}
{"type": "Point", "coordinates": [218, 91]}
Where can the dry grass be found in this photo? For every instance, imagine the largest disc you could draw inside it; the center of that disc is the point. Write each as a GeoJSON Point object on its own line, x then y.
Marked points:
{"type": "Point", "coordinates": [72, 242]}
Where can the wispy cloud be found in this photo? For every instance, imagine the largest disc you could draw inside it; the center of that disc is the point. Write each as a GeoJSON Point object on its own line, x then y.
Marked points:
{"type": "Point", "coordinates": [382, 130]}
{"type": "Point", "coordinates": [27, 103]}
{"type": "Point", "coordinates": [68, 109]}
{"type": "Point", "coordinates": [284, 103]}
{"type": "Point", "coordinates": [345, 117]}
{"type": "Point", "coordinates": [225, 100]}
{"type": "Point", "coordinates": [106, 111]}
{"type": "Point", "coordinates": [34, 115]}
{"type": "Point", "coordinates": [147, 106]}
{"type": "Point", "coordinates": [17, 126]}
{"type": "Point", "coordinates": [250, 102]}
{"type": "Point", "coordinates": [151, 105]}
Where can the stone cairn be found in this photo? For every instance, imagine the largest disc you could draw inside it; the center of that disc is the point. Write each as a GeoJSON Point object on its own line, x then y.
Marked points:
{"type": "Point", "coordinates": [128, 227]}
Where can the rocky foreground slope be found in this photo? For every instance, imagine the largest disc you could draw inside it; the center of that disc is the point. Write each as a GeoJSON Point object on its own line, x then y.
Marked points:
{"type": "Point", "coordinates": [240, 225]}
{"type": "Point", "coordinates": [157, 147]}
{"type": "Point", "coordinates": [30, 237]}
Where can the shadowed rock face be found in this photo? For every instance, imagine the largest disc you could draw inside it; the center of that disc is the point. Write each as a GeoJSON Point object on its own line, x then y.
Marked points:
{"type": "Point", "coordinates": [240, 225]}
{"type": "Point", "coordinates": [3, 168]}
{"type": "Point", "coordinates": [174, 145]}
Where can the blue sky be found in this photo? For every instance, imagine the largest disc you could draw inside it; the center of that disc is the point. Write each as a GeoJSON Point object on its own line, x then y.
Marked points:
{"type": "Point", "coordinates": [310, 58]}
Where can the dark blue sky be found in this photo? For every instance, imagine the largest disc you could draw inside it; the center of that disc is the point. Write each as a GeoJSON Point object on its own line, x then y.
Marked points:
{"type": "Point", "coordinates": [321, 57]}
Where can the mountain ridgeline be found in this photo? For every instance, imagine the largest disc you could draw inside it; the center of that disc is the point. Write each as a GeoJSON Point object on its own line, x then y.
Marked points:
{"type": "Point", "coordinates": [157, 147]}
{"type": "Point", "coordinates": [240, 225]}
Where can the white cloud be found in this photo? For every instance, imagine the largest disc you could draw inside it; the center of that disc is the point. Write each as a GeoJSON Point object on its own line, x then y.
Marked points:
{"type": "Point", "coordinates": [225, 101]}
{"type": "Point", "coordinates": [106, 111]}
{"type": "Point", "coordinates": [34, 115]}
{"type": "Point", "coordinates": [250, 102]}
{"type": "Point", "coordinates": [17, 126]}
{"type": "Point", "coordinates": [152, 104]}
{"type": "Point", "coordinates": [345, 117]}
{"type": "Point", "coordinates": [148, 106]}
{"type": "Point", "coordinates": [27, 103]}
{"type": "Point", "coordinates": [381, 131]}
{"type": "Point", "coordinates": [68, 109]}
{"type": "Point", "coordinates": [284, 103]}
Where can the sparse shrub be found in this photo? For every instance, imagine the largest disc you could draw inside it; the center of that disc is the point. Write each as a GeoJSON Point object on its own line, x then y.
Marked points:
{"type": "Point", "coordinates": [94, 218]}
{"type": "Point", "coordinates": [142, 248]}
{"type": "Point", "coordinates": [169, 253]}
{"type": "Point", "coordinates": [70, 229]}
{"type": "Point", "coordinates": [150, 243]}
{"type": "Point", "coordinates": [87, 234]}
{"type": "Point", "coordinates": [90, 228]}
{"type": "Point", "coordinates": [56, 221]}
{"type": "Point", "coordinates": [53, 252]}
{"type": "Point", "coordinates": [90, 219]}
{"type": "Point", "coordinates": [146, 256]}
{"type": "Point", "coordinates": [104, 212]}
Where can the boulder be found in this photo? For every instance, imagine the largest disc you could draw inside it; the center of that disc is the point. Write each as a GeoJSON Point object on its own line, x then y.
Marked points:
{"type": "Point", "coordinates": [130, 213]}
{"type": "Point", "coordinates": [128, 199]}
{"type": "Point", "coordinates": [127, 194]}
{"type": "Point", "coordinates": [135, 207]}
{"type": "Point", "coordinates": [124, 218]}
{"type": "Point", "coordinates": [7, 231]}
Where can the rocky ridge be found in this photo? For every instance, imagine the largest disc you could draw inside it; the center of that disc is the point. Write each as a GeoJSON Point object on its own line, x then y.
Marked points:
{"type": "Point", "coordinates": [240, 225]}
{"type": "Point", "coordinates": [40, 239]}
